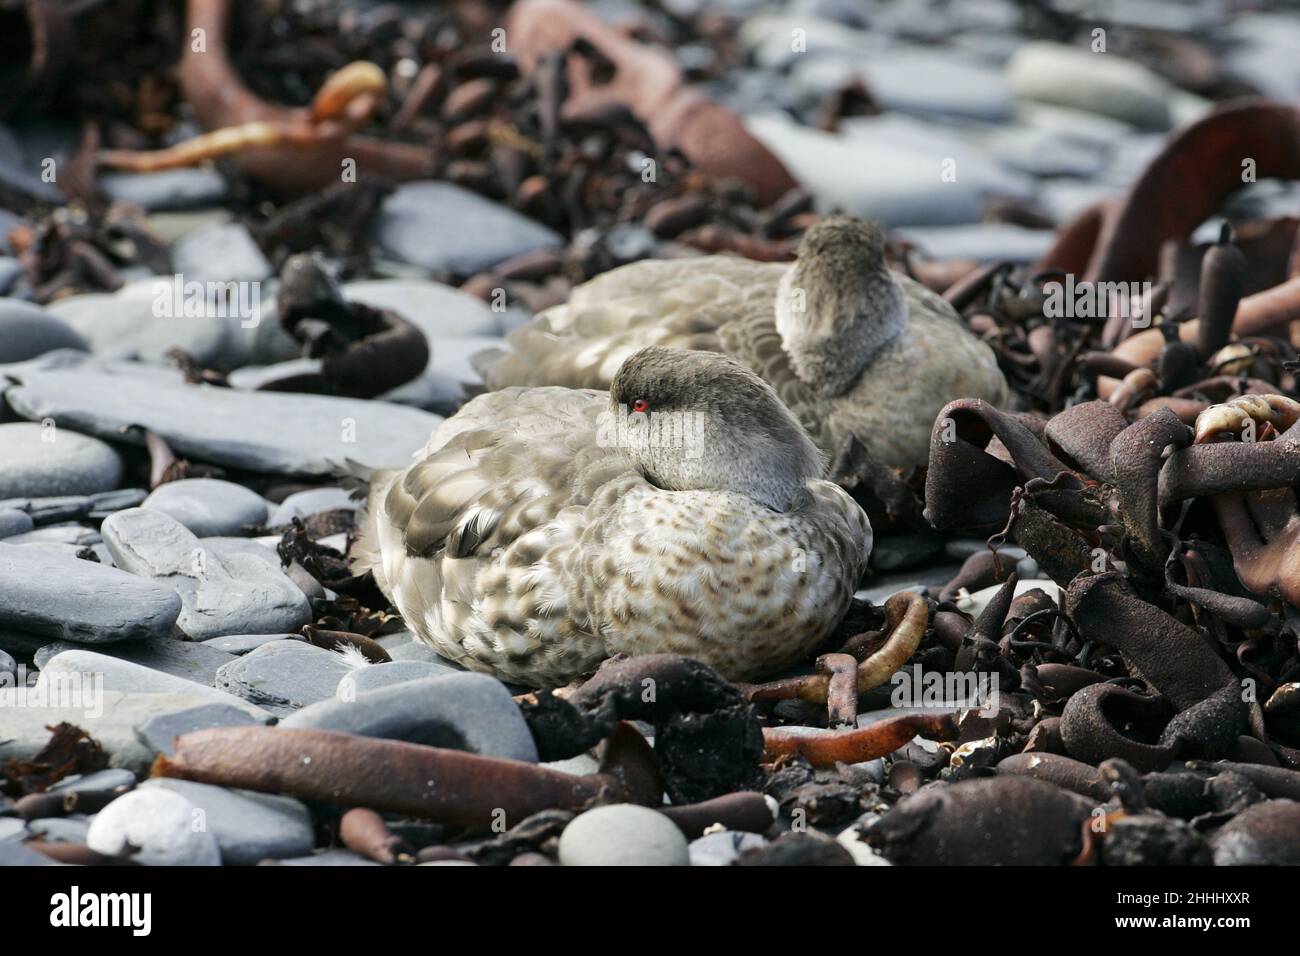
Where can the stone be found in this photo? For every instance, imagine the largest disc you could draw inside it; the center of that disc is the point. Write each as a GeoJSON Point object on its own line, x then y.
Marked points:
{"type": "Point", "coordinates": [81, 601]}
{"type": "Point", "coordinates": [329, 858]}
{"type": "Point", "coordinates": [185, 659]}
{"type": "Point", "coordinates": [154, 827]}
{"type": "Point", "coordinates": [466, 711]}
{"type": "Point", "coordinates": [439, 311]}
{"type": "Point", "coordinates": [15, 854]}
{"type": "Point", "coordinates": [60, 829]}
{"type": "Point", "coordinates": [240, 644]}
{"type": "Point", "coordinates": [889, 168]}
{"type": "Point", "coordinates": [167, 189]}
{"type": "Point", "coordinates": [220, 593]}
{"type": "Point", "coordinates": [141, 321]}
{"type": "Point", "coordinates": [111, 717]}
{"type": "Point", "coordinates": [99, 780]}
{"type": "Point", "coordinates": [113, 674]}
{"type": "Point", "coordinates": [623, 834]}
{"type": "Point", "coordinates": [445, 228]}
{"type": "Point", "coordinates": [982, 242]}
{"type": "Point", "coordinates": [208, 506]}
{"type": "Point", "coordinates": [47, 459]}
{"type": "Point", "coordinates": [723, 847]}
{"type": "Point", "coordinates": [224, 253]}
{"type": "Point", "coordinates": [8, 668]}
{"type": "Point", "coordinates": [249, 827]}
{"type": "Point", "coordinates": [13, 521]}
{"type": "Point", "coordinates": [159, 733]}
{"type": "Point", "coordinates": [283, 676]}
{"type": "Point", "coordinates": [27, 330]}
{"type": "Point", "coordinates": [267, 432]}
{"type": "Point", "coordinates": [1107, 84]}
{"type": "Point", "coordinates": [364, 679]}
{"type": "Point", "coordinates": [304, 504]}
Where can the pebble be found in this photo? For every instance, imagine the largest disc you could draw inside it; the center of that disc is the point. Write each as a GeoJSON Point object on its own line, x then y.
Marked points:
{"type": "Point", "coordinates": [99, 780]}
{"type": "Point", "coordinates": [982, 242]}
{"type": "Point", "coordinates": [377, 676]}
{"type": "Point", "coordinates": [13, 521]}
{"type": "Point", "coordinates": [404, 647]}
{"type": "Point", "coordinates": [465, 711]}
{"type": "Point", "coordinates": [8, 669]}
{"type": "Point", "coordinates": [125, 324]}
{"type": "Point", "coordinates": [44, 511]}
{"type": "Point", "coordinates": [208, 506]}
{"type": "Point", "coordinates": [46, 459]}
{"type": "Point", "coordinates": [329, 858]}
{"type": "Point", "coordinates": [60, 829]}
{"type": "Point", "coordinates": [267, 432]}
{"type": "Point", "coordinates": [283, 676]}
{"type": "Point", "coordinates": [439, 311]}
{"type": "Point", "coordinates": [623, 834]}
{"type": "Point", "coordinates": [186, 659]}
{"type": "Point", "coordinates": [113, 718]}
{"type": "Point", "coordinates": [155, 827]}
{"type": "Point", "coordinates": [1102, 83]}
{"type": "Point", "coordinates": [304, 504]}
{"type": "Point", "coordinates": [445, 228]}
{"type": "Point", "coordinates": [240, 644]}
{"type": "Point", "coordinates": [27, 330]}
{"type": "Point", "coordinates": [15, 854]}
{"type": "Point", "coordinates": [220, 593]}
{"type": "Point", "coordinates": [723, 847]}
{"type": "Point", "coordinates": [249, 827]}
{"type": "Point", "coordinates": [129, 678]}
{"type": "Point", "coordinates": [223, 253]}
{"type": "Point", "coordinates": [874, 174]}
{"type": "Point", "coordinates": [451, 377]}
{"type": "Point", "coordinates": [167, 189]}
{"type": "Point", "coordinates": [159, 733]}
{"type": "Point", "coordinates": [70, 599]}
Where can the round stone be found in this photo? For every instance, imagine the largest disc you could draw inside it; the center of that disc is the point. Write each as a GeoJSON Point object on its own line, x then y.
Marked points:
{"type": "Point", "coordinates": [43, 460]}
{"type": "Point", "coordinates": [209, 507]}
{"type": "Point", "coordinates": [28, 331]}
{"type": "Point", "coordinates": [155, 827]}
{"type": "Point", "coordinates": [623, 834]}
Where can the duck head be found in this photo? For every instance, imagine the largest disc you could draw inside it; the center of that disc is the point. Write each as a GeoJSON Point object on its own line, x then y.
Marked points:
{"type": "Point", "coordinates": [839, 304]}
{"type": "Point", "coordinates": [698, 420]}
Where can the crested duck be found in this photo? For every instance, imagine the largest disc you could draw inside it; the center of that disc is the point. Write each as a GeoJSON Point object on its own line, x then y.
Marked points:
{"type": "Point", "coordinates": [851, 347]}
{"type": "Point", "coordinates": [683, 510]}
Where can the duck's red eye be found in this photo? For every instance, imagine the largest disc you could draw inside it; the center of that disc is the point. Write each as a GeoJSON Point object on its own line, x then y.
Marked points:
{"type": "Point", "coordinates": [640, 405]}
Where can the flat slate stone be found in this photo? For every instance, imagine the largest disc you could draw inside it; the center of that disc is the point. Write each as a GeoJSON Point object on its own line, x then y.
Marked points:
{"type": "Point", "coordinates": [159, 733]}
{"type": "Point", "coordinates": [13, 521]}
{"type": "Point", "coordinates": [375, 676]}
{"type": "Point", "coordinates": [111, 717]}
{"type": "Point", "coordinates": [27, 330]}
{"type": "Point", "coordinates": [464, 711]}
{"type": "Point", "coordinates": [166, 189]}
{"type": "Point", "coordinates": [223, 253]}
{"type": "Point", "coordinates": [38, 460]}
{"type": "Point", "coordinates": [187, 659]}
{"type": "Point", "coordinates": [446, 228]}
{"type": "Point", "coordinates": [208, 506]}
{"type": "Point", "coordinates": [240, 644]}
{"type": "Point", "coordinates": [268, 432]}
{"type": "Point", "coordinates": [124, 676]}
{"type": "Point", "coordinates": [284, 676]}
{"type": "Point", "coordinates": [249, 827]}
{"type": "Point", "coordinates": [221, 592]}
{"type": "Point", "coordinates": [109, 779]}
{"type": "Point", "coordinates": [81, 601]}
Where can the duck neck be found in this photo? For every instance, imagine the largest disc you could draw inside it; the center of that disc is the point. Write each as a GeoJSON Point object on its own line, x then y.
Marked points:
{"type": "Point", "coordinates": [831, 331]}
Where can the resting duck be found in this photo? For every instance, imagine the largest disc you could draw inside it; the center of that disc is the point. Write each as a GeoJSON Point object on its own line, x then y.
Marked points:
{"type": "Point", "coordinates": [545, 529]}
{"type": "Point", "coordinates": [852, 348]}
